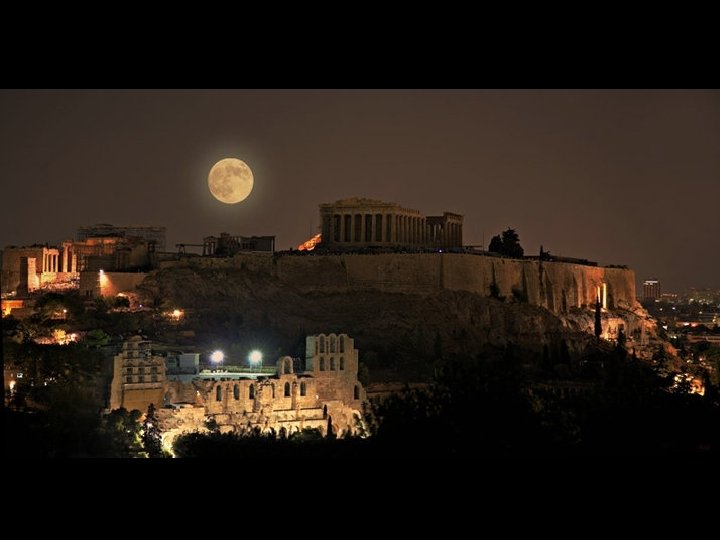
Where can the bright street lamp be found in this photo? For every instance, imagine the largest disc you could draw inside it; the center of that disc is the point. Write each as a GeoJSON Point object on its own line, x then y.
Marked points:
{"type": "Point", "coordinates": [217, 357]}
{"type": "Point", "coordinates": [255, 358]}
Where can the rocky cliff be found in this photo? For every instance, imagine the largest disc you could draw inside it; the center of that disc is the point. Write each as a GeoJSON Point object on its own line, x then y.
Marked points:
{"type": "Point", "coordinates": [402, 309]}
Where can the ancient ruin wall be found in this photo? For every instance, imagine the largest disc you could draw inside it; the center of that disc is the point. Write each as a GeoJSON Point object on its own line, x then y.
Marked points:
{"type": "Point", "coordinates": [557, 286]}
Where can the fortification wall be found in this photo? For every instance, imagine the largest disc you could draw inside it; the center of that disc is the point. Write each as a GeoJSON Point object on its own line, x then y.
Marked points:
{"type": "Point", "coordinates": [557, 286]}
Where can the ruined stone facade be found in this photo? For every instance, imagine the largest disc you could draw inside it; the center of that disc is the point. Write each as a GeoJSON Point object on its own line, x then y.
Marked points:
{"type": "Point", "coordinates": [138, 377]}
{"type": "Point", "coordinates": [357, 222]}
{"type": "Point", "coordinates": [154, 235]}
{"type": "Point", "coordinates": [286, 400]}
{"type": "Point", "coordinates": [26, 269]}
{"type": "Point", "coordinates": [227, 245]}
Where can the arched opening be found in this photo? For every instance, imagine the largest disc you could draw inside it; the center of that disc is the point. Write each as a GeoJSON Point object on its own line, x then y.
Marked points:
{"type": "Point", "coordinates": [303, 388]}
{"type": "Point", "coordinates": [342, 363]}
{"type": "Point", "coordinates": [236, 392]}
{"type": "Point", "coordinates": [332, 344]}
{"type": "Point", "coordinates": [332, 364]}
{"type": "Point", "coordinates": [251, 392]}
{"type": "Point", "coordinates": [342, 343]}
{"type": "Point", "coordinates": [287, 366]}
{"type": "Point", "coordinates": [287, 389]}
{"type": "Point", "coordinates": [356, 392]}
{"type": "Point", "coordinates": [218, 393]}
{"type": "Point", "coordinates": [272, 387]}
{"type": "Point", "coordinates": [322, 364]}
{"type": "Point", "coordinates": [322, 344]}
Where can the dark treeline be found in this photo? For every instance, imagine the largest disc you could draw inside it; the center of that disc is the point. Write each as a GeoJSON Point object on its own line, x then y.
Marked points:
{"type": "Point", "coordinates": [489, 407]}
{"type": "Point", "coordinates": [499, 404]}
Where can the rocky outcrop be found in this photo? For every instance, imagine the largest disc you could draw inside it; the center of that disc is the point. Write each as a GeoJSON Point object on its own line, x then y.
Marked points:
{"type": "Point", "coordinates": [413, 326]}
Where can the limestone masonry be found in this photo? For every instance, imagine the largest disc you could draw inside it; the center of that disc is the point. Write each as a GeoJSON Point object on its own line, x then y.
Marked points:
{"type": "Point", "coordinates": [318, 391]}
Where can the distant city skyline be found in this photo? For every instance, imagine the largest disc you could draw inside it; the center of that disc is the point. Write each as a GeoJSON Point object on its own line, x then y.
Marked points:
{"type": "Point", "coordinates": [619, 177]}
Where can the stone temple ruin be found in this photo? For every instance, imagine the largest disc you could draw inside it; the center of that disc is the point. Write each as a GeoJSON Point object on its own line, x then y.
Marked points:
{"type": "Point", "coordinates": [322, 391]}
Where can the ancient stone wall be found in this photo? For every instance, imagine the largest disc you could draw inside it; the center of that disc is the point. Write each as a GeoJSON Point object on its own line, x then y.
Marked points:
{"type": "Point", "coordinates": [557, 286]}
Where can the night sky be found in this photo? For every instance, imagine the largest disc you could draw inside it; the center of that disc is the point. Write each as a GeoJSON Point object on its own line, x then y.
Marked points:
{"type": "Point", "coordinates": [620, 177]}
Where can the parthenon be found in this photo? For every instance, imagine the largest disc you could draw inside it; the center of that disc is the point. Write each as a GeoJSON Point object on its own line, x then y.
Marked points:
{"type": "Point", "coordinates": [358, 222]}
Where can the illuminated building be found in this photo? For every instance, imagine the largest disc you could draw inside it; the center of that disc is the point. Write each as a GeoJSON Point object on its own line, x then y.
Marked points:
{"type": "Point", "coordinates": [291, 395]}
{"type": "Point", "coordinates": [138, 377]}
{"type": "Point", "coordinates": [651, 289]}
{"type": "Point", "coordinates": [358, 222]}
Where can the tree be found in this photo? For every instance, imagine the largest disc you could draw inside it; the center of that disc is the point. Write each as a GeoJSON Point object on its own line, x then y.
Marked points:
{"type": "Point", "coordinates": [496, 245]}
{"type": "Point", "coordinates": [511, 244]}
{"type": "Point", "coordinates": [508, 245]}
{"type": "Point", "coordinates": [152, 441]}
{"type": "Point", "coordinates": [621, 339]}
{"type": "Point", "coordinates": [97, 338]}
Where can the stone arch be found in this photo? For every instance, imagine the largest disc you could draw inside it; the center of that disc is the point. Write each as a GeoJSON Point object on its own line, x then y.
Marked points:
{"type": "Point", "coordinates": [333, 344]}
{"type": "Point", "coordinates": [342, 343]}
{"type": "Point", "coordinates": [321, 339]}
{"type": "Point", "coordinates": [287, 389]}
{"type": "Point", "coordinates": [285, 365]}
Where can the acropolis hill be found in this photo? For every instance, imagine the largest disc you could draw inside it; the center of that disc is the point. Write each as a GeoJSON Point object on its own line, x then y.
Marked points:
{"type": "Point", "coordinates": [557, 286]}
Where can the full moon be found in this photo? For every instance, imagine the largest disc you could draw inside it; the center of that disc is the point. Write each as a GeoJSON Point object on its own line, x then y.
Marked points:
{"type": "Point", "coordinates": [230, 180]}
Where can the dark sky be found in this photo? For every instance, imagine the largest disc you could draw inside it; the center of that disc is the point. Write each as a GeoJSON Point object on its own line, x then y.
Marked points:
{"type": "Point", "coordinates": [621, 177]}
